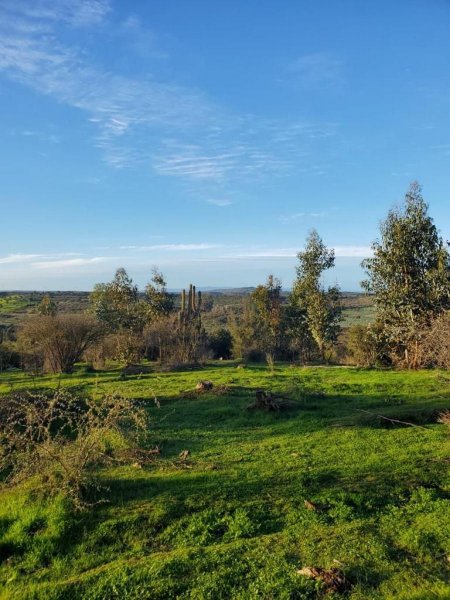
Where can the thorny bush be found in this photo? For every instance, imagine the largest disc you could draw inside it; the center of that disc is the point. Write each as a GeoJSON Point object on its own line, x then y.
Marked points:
{"type": "Point", "coordinates": [61, 440]}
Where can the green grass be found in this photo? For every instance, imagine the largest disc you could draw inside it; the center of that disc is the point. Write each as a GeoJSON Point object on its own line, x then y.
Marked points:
{"type": "Point", "coordinates": [12, 303]}
{"type": "Point", "coordinates": [231, 521]}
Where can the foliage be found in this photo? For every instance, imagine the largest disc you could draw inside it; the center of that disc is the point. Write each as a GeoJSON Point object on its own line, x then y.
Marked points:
{"type": "Point", "coordinates": [409, 275]}
{"type": "Point", "coordinates": [117, 305]}
{"type": "Point", "coordinates": [62, 439]}
{"type": "Point", "coordinates": [47, 307]}
{"type": "Point", "coordinates": [159, 302]}
{"type": "Point", "coordinates": [220, 343]}
{"type": "Point", "coordinates": [242, 330]}
{"type": "Point", "coordinates": [9, 356]}
{"type": "Point", "coordinates": [259, 331]}
{"type": "Point", "coordinates": [59, 341]}
{"type": "Point", "coordinates": [267, 316]}
{"type": "Point", "coordinates": [301, 342]}
{"type": "Point", "coordinates": [12, 302]}
{"type": "Point", "coordinates": [366, 345]}
{"type": "Point", "coordinates": [435, 344]}
{"type": "Point", "coordinates": [320, 308]}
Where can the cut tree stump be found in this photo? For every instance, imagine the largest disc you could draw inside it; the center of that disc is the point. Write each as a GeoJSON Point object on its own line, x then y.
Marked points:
{"type": "Point", "coordinates": [334, 579]}
{"type": "Point", "coordinates": [204, 386]}
{"type": "Point", "coordinates": [267, 401]}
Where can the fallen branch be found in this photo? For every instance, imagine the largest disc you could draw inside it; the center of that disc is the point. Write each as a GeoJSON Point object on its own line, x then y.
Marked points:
{"type": "Point", "coordinates": [391, 420]}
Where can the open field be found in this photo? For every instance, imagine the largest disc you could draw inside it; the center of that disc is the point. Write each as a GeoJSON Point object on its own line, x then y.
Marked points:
{"type": "Point", "coordinates": [230, 521]}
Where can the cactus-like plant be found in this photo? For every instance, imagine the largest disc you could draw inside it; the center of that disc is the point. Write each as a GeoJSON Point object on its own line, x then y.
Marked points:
{"type": "Point", "coordinates": [191, 333]}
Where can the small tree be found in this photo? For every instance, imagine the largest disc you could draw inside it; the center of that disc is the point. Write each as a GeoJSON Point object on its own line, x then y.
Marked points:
{"type": "Point", "coordinates": [220, 343]}
{"type": "Point", "coordinates": [409, 275]}
{"type": "Point", "coordinates": [267, 303]}
{"type": "Point", "coordinates": [47, 307]}
{"type": "Point", "coordinates": [319, 307]}
{"type": "Point", "coordinates": [116, 304]}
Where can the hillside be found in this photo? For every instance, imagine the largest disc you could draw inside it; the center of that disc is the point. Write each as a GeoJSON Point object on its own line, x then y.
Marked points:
{"type": "Point", "coordinates": [325, 483]}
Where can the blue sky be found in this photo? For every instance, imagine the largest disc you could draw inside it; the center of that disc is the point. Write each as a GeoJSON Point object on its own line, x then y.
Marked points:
{"type": "Point", "coordinates": [209, 137]}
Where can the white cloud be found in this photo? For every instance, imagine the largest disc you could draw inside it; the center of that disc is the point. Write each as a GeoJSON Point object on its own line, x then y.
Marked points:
{"type": "Point", "coordinates": [340, 251]}
{"type": "Point", "coordinates": [68, 263]}
{"type": "Point", "coordinates": [18, 258]}
{"type": "Point", "coordinates": [172, 247]}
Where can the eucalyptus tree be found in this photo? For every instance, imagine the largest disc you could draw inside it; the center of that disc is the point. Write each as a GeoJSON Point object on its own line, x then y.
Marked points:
{"type": "Point", "coordinates": [116, 304]}
{"type": "Point", "coordinates": [409, 275]}
{"type": "Point", "coordinates": [318, 308]}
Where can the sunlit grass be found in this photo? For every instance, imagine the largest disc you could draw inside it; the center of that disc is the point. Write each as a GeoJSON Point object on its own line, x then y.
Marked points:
{"type": "Point", "coordinates": [231, 521]}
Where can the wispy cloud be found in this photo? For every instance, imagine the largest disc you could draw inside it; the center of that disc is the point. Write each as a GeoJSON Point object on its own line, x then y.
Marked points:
{"type": "Point", "coordinates": [12, 259]}
{"type": "Point", "coordinates": [302, 215]}
{"type": "Point", "coordinates": [219, 201]}
{"type": "Point", "coordinates": [317, 69]}
{"type": "Point", "coordinates": [340, 251]}
{"type": "Point", "coordinates": [77, 13]}
{"type": "Point", "coordinates": [177, 130]}
{"type": "Point", "coordinates": [68, 263]}
{"type": "Point", "coordinates": [172, 247]}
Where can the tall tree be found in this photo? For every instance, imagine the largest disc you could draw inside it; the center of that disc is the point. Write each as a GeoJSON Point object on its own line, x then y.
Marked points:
{"type": "Point", "coordinates": [409, 274]}
{"type": "Point", "coordinates": [319, 307]}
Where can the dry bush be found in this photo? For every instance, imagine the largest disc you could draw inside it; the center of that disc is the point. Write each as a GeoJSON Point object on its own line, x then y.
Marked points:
{"type": "Point", "coordinates": [160, 340]}
{"type": "Point", "coordinates": [126, 346]}
{"type": "Point", "coordinates": [173, 345]}
{"type": "Point", "coordinates": [435, 347]}
{"type": "Point", "coordinates": [61, 440]}
{"type": "Point", "coordinates": [444, 418]}
{"type": "Point", "coordinates": [58, 342]}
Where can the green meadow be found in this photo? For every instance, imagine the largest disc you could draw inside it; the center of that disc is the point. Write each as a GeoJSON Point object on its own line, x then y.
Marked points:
{"type": "Point", "coordinates": [324, 483]}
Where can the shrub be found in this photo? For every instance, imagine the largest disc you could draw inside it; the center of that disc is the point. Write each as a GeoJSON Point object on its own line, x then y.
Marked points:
{"type": "Point", "coordinates": [160, 339]}
{"type": "Point", "coordinates": [126, 346]}
{"type": "Point", "coordinates": [220, 343]}
{"type": "Point", "coordinates": [435, 347]}
{"type": "Point", "coordinates": [361, 346]}
{"type": "Point", "coordinates": [366, 346]}
{"type": "Point", "coordinates": [9, 357]}
{"type": "Point", "coordinates": [60, 341]}
{"type": "Point", "coordinates": [61, 440]}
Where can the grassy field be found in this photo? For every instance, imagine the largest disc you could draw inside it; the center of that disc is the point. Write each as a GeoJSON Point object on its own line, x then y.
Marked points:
{"type": "Point", "coordinates": [231, 520]}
